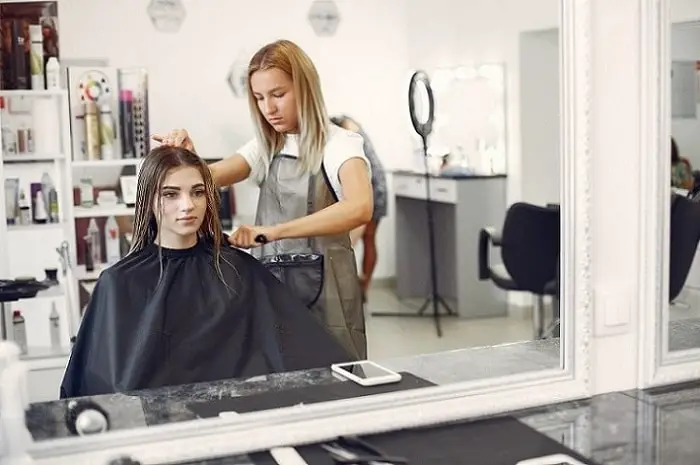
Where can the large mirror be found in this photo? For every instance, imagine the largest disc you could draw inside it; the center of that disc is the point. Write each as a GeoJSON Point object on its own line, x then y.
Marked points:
{"type": "Point", "coordinates": [682, 319]}
{"type": "Point", "coordinates": [494, 166]}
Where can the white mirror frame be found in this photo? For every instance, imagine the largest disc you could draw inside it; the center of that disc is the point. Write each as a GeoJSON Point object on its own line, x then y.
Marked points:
{"type": "Point", "coordinates": [658, 366]}
{"type": "Point", "coordinates": [318, 422]}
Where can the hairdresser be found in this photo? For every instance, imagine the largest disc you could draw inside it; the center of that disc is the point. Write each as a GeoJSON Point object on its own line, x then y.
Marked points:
{"type": "Point", "coordinates": [314, 183]}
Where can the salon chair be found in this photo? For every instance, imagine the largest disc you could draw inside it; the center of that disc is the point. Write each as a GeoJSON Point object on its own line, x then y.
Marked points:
{"type": "Point", "coordinates": [529, 244]}
{"type": "Point", "coordinates": [684, 238]}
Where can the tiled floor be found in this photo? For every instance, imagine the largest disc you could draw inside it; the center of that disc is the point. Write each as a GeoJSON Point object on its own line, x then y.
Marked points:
{"type": "Point", "coordinates": [390, 337]}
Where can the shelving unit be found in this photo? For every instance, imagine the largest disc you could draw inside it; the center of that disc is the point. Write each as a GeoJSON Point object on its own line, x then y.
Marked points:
{"type": "Point", "coordinates": [29, 249]}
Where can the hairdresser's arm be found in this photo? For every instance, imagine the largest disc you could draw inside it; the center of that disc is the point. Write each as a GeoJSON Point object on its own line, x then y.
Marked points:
{"type": "Point", "coordinates": [225, 172]}
{"type": "Point", "coordinates": [354, 210]}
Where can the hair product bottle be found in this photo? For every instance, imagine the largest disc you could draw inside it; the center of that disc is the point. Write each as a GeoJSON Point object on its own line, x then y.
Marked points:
{"type": "Point", "coordinates": [94, 231]}
{"type": "Point", "coordinates": [106, 132]}
{"type": "Point", "coordinates": [19, 331]}
{"type": "Point", "coordinates": [36, 56]}
{"type": "Point", "coordinates": [53, 74]}
{"type": "Point", "coordinates": [112, 245]}
{"type": "Point", "coordinates": [92, 131]}
{"type": "Point", "coordinates": [55, 327]}
{"type": "Point", "coordinates": [126, 113]}
{"type": "Point", "coordinates": [89, 263]}
{"type": "Point", "coordinates": [41, 216]}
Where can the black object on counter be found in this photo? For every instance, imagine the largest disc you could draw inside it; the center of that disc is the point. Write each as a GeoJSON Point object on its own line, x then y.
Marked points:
{"type": "Point", "coordinates": [496, 441]}
{"type": "Point", "coordinates": [85, 417]}
{"type": "Point", "coordinates": [307, 395]}
{"type": "Point", "coordinates": [51, 275]}
{"type": "Point", "coordinates": [12, 290]}
{"type": "Point", "coordinates": [124, 460]}
{"type": "Point", "coordinates": [16, 289]}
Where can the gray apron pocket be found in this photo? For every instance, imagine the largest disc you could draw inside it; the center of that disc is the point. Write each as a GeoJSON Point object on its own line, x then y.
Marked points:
{"type": "Point", "coordinates": [302, 273]}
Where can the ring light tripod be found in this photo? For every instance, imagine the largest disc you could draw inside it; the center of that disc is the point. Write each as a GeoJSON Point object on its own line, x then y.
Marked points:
{"type": "Point", "coordinates": [423, 124]}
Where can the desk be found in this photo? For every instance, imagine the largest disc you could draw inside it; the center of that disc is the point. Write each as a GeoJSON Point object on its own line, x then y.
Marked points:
{"type": "Point", "coordinates": [461, 207]}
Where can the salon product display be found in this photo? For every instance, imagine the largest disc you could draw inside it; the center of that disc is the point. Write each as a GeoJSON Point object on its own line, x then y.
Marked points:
{"type": "Point", "coordinates": [17, 133]}
{"type": "Point", "coordinates": [30, 40]}
{"type": "Point", "coordinates": [38, 206]}
{"type": "Point", "coordinates": [100, 243]}
{"type": "Point", "coordinates": [109, 113]}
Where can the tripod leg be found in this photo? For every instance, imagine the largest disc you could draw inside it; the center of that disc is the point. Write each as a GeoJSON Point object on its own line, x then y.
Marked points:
{"type": "Point", "coordinates": [438, 325]}
{"type": "Point", "coordinates": [537, 317]}
{"type": "Point", "coordinates": [424, 307]}
{"type": "Point", "coordinates": [449, 310]}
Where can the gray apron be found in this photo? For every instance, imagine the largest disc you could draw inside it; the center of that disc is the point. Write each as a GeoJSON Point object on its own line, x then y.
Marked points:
{"type": "Point", "coordinates": [285, 195]}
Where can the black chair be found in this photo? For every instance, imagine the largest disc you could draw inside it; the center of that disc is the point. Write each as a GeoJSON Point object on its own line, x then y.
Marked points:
{"type": "Point", "coordinates": [529, 245]}
{"type": "Point", "coordinates": [684, 238]}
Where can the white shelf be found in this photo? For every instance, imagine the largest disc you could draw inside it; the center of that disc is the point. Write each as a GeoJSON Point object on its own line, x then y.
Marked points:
{"type": "Point", "coordinates": [83, 275]}
{"type": "Point", "coordinates": [34, 227]}
{"type": "Point", "coordinates": [43, 353]}
{"type": "Point", "coordinates": [106, 163]}
{"type": "Point", "coordinates": [32, 157]}
{"type": "Point", "coordinates": [33, 93]}
{"type": "Point", "coordinates": [45, 358]}
{"type": "Point", "coordinates": [102, 211]}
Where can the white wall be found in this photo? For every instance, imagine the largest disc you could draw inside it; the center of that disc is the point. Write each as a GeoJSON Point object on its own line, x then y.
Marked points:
{"type": "Point", "coordinates": [363, 69]}
{"type": "Point", "coordinates": [540, 117]}
{"type": "Point", "coordinates": [685, 46]}
{"type": "Point", "coordinates": [448, 33]}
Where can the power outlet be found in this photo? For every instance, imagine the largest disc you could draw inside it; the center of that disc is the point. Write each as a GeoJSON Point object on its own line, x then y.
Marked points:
{"type": "Point", "coordinates": [612, 312]}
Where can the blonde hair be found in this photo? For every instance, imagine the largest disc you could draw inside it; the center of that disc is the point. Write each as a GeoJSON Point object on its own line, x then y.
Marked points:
{"type": "Point", "coordinates": [311, 108]}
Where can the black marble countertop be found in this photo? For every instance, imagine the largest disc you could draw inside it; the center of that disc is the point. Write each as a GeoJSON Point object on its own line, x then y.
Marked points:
{"type": "Point", "coordinates": [654, 427]}
{"type": "Point", "coordinates": [168, 405]}
{"type": "Point", "coordinates": [45, 420]}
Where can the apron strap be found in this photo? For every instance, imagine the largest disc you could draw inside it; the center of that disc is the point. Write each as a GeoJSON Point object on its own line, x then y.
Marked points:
{"type": "Point", "coordinates": [311, 197]}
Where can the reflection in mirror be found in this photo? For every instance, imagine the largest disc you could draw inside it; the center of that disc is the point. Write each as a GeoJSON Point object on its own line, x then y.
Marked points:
{"type": "Point", "coordinates": [158, 328]}
{"type": "Point", "coordinates": [684, 150]}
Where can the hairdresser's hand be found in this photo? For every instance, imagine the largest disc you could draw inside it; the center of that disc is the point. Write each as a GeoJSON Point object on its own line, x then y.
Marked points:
{"type": "Point", "coordinates": [176, 138]}
{"type": "Point", "coordinates": [244, 237]}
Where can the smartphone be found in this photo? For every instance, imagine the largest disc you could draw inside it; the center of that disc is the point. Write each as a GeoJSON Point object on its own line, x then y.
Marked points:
{"type": "Point", "coordinates": [557, 459]}
{"type": "Point", "coordinates": [366, 373]}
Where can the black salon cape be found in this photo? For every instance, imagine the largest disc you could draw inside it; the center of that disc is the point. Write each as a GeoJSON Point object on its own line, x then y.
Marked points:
{"type": "Point", "coordinates": [138, 333]}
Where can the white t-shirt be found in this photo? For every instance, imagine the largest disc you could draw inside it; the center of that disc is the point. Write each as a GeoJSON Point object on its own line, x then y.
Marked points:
{"type": "Point", "coordinates": [341, 146]}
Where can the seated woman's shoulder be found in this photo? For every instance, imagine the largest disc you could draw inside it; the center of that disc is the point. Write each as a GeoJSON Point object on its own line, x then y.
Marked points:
{"type": "Point", "coordinates": [238, 256]}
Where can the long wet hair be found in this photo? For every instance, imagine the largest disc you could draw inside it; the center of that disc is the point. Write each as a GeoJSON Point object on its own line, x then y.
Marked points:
{"type": "Point", "coordinates": [675, 156]}
{"type": "Point", "coordinates": [156, 166]}
{"type": "Point", "coordinates": [311, 107]}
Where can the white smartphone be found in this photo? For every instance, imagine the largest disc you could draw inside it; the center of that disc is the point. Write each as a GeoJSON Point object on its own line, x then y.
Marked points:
{"type": "Point", "coordinates": [557, 459]}
{"type": "Point", "coordinates": [366, 373]}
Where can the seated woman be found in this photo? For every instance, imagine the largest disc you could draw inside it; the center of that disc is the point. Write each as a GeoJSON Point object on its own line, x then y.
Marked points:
{"type": "Point", "coordinates": [184, 307]}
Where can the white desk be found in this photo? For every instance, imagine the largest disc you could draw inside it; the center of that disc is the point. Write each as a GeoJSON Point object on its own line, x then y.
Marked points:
{"type": "Point", "coordinates": [461, 208]}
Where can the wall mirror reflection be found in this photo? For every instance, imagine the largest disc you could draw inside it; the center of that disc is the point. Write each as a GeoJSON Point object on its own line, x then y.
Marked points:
{"type": "Point", "coordinates": [681, 333]}
{"type": "Point", "coordinates": [153, 329]}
